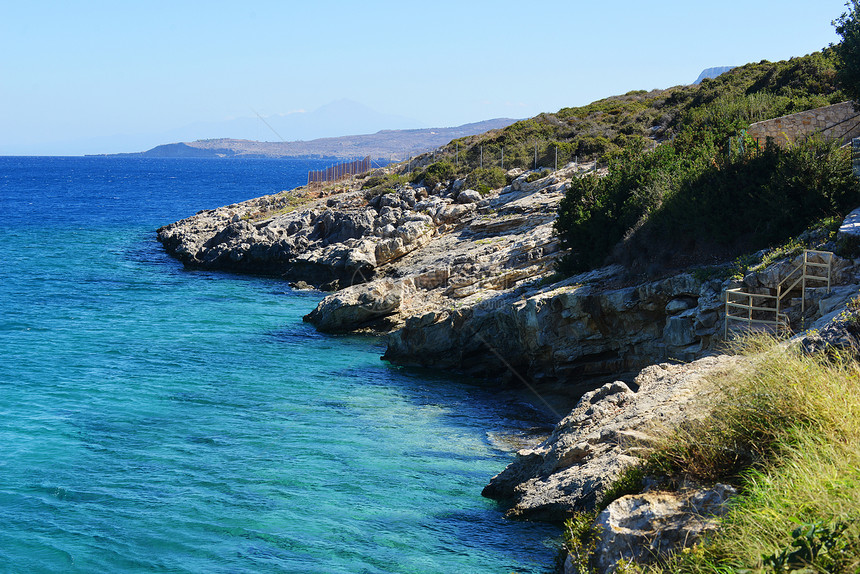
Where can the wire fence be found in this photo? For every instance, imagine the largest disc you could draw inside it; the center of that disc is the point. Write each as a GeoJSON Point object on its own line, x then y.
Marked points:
{"type": "Point", "coordinates": [530, 156]}
{"type": "Point", "coordinates": [340, 171]}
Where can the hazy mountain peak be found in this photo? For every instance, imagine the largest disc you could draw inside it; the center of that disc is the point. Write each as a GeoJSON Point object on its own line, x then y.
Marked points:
{"type": "Point", "coordinates": [712, 73]}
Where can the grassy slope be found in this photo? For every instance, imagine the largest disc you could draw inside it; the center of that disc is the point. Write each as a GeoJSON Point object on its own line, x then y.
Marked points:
{"type": "Point", "coordinates": [787, 434]}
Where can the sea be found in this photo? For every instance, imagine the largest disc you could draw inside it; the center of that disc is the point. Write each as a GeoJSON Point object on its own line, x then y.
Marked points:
{"type": "Point", "coordinates": [160, 419]}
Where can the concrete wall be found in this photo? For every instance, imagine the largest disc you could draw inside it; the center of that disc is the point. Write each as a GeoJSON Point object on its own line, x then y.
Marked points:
{"type": "Point", "coordinates": [837, 121]}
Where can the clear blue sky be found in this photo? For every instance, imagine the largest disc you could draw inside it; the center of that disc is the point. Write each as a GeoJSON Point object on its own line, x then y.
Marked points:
{"type": "Point", "coordinates": [78, 71]}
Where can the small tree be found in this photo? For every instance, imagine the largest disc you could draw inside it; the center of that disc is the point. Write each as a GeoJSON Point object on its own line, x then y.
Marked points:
{"type": "Point", "coordinates": [848, 51]}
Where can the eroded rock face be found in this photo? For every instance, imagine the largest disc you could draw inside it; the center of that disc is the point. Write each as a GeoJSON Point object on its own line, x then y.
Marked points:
{"type": "Point", "coordinates": [591, 446]}
{"type": "Point", "coordinates": [641, 527]}
{"type": "Point", "coordinates": [568, 331]}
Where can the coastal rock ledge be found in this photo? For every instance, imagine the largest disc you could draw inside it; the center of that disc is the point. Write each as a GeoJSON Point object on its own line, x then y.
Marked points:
{"type": "Point", "coordinates": [600, 438]}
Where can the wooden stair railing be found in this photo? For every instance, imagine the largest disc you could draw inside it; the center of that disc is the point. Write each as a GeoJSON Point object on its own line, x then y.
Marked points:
{"type": "Point", "coordinates": [764, 309]}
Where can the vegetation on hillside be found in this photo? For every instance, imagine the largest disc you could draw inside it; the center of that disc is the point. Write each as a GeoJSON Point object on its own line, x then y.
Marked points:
{"type": "Point", "coordinates": [848, 50]}
{"type": "Point", "coordinates": [602, 129]}
{"type": "Point", "coordinates": [680, 205]}
{"type": "Point", "coordinates": [710, 192]}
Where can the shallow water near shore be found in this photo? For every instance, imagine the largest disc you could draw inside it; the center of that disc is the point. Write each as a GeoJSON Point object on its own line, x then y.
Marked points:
{"type": "Point", "coordinates": [159, 419]}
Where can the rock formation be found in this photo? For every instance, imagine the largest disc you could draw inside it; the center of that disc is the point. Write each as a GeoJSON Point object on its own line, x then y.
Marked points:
{"type": "Point", "coordinates": [639, 527]}
{"type": "Point", "coordinates": [456, 279]}
{"type": "Point", "coordinates": [600, 438]}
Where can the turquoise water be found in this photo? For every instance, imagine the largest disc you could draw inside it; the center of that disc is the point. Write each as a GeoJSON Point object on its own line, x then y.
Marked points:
{"type": "Point", "coordinates": [162, 420]}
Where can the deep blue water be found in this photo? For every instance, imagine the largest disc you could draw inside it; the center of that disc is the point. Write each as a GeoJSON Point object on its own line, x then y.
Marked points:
{"type": "Point", "coordinates": [154, 419]}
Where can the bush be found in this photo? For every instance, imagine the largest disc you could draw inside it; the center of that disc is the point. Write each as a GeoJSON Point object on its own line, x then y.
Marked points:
{"type": "Point", "coordinates": [596, 212]}
{"type": "Point", "coordinates": [485, 179]}
{"type": "Point", "coordinates": [436, 173]}
{"type": "Point", "coordinates": [693, 196]}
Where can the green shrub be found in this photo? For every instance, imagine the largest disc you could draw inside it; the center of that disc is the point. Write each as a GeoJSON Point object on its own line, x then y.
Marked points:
{"type": "Point", "coordinates": [435, 173]}
{"type": "Point", "coordinates": [485, 179]}
{"type": "Point", "coordinates": [692, 196]}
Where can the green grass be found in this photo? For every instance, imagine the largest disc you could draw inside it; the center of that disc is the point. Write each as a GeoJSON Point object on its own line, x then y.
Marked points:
{"type": "Point", "coordinates": [787, 433]}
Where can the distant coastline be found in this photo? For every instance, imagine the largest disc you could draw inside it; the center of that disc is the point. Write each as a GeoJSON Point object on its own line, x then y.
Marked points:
{"type": "Point", "coordinates": [392, 145]}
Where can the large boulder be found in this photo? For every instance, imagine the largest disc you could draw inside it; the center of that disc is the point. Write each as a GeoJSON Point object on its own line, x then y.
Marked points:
{"type": "Point", "coordinates": [641, 527]}
{"type": "Point", "coordinates": [468, 196]}
{"type": "Point", "coordinates": [356, 307]}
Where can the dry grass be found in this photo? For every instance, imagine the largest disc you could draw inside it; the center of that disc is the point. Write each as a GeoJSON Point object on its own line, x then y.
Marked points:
{"type": "Point", "coordinates": [788, 433]}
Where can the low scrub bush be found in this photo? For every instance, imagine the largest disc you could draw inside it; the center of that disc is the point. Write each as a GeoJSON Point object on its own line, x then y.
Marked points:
{"type": "Point", "coordinates": [435, 173]}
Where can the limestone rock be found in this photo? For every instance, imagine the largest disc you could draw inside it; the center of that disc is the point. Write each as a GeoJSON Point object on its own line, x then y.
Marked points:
{"type": "Point", "coordinates": [355, 307]}
{"type": "Point", "coordinates": [850, 228]}
{"type": "Point", "coordinates": [591, 446]}
{"type": "Point", "coordinates": [468, 196]}
{"type": "Point", "coordinates": [679, 331]}
{"type": "Point", "coordinates": [641, 527]}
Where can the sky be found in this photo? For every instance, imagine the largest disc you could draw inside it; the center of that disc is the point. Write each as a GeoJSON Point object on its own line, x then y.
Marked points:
{"type": "Point", "coordinates": [92, 77]}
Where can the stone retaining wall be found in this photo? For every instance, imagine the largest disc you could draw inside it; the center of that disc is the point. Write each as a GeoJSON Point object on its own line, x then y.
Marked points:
{"type": "Point", "coordinates": [838, 121]}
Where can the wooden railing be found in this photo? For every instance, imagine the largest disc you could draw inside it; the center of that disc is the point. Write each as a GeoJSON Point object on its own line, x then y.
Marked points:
{"type": "Point", "coordinates": [734, 300]}
{"type": "Point", "coordinates": [767, 306]}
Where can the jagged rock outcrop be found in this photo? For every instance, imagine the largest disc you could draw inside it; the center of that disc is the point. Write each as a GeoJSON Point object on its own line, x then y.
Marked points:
{"type": "Point", "coordinates": [309, 238]}
{"type": "Point", "coordinates": [591, 446]}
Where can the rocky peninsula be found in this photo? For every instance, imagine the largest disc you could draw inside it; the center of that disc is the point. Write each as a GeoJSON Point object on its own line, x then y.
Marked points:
{"type": "Point", "coordinates": [455, 279]}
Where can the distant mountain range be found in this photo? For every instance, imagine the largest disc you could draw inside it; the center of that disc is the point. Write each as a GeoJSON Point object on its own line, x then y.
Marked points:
{"type": "Point", "coordinates": [385, 144]}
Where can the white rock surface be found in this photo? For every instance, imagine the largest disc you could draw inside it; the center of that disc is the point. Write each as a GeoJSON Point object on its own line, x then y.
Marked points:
{"type": "Point", "coordinates": [640, 527]}
{"type": "Point", "coordinates": [591, 446]}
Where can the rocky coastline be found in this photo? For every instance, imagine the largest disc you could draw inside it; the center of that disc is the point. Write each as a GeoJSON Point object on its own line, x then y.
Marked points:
{"type": "Point", "coordinates": [459, 280]}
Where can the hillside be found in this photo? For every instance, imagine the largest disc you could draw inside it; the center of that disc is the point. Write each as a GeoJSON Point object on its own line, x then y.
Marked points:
{"type": "Point", "coordinates": [697, 198]}
{"type": "Point", "coordinates": [600, 130]}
